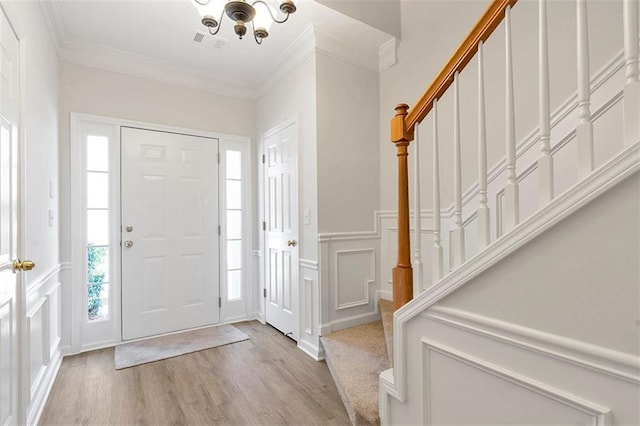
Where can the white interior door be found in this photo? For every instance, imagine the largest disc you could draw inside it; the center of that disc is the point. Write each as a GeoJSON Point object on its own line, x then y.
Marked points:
{"type": "Point", "coordinates": [170, 259]}
{"type": "Point", "coordinates": [281, 216]}
{"type": "Point", "coordinates": [9, 288]}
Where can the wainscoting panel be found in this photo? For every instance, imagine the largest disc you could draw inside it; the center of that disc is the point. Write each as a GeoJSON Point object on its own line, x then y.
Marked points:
{"type": "Point", "coordinates": [494, 395]}
{"type": "Point", "coordinates": [43, 339]}
{"type": "Point", "coordinates": [310, 305]}
{"type": "Point", "coordinates": [349, 280]}
{"type": "Point", "coordinates": [503, 373]}
{"type": "Point", "coordinates": [353, 267]}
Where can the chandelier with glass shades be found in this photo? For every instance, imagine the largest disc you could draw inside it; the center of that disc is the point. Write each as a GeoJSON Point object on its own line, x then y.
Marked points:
{"type": "Point", "coordinates": [259, 13]}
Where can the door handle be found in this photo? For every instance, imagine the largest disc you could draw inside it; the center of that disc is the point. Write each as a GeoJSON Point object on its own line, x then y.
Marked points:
{"type": "Point", "coordinates": [292, 243]}
{"type": "Point", "coordinates": [23, 265]}
{"type": "Point", "coordinates": [128, 244]}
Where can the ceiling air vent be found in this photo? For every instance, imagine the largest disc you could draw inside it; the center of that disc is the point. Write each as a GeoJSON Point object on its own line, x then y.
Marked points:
{"type": "Point", "coordinates": [198, 37]}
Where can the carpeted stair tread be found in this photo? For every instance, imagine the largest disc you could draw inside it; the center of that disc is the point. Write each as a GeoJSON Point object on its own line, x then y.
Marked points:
{"type": "Point", "coordinates": [356, 356]}
{"type": "Point", "coordinates": [386, 313]}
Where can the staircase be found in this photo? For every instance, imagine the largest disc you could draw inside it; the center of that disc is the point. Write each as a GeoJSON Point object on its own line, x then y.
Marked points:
{"type": "Point", "coordinates": [356, 356]}
{"type": "Point", "coordinates": [532, 318]}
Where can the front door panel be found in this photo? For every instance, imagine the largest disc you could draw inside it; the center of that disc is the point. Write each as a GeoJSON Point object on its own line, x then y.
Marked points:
{"type": "Point", "coordinates": [170, 232]}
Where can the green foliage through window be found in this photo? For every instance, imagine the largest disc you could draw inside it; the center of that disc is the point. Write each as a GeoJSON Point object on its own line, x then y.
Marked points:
{"type": "Point", "coordinates": [96, 271]}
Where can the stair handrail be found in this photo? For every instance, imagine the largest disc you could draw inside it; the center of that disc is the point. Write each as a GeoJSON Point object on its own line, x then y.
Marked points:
{"type": "Point", "coordinates": [484, 27]}
{"type": "Point", "coordinates": [403, 126]}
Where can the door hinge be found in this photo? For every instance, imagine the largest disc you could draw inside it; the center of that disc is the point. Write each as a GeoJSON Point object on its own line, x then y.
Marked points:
{"type": "Point", "coordinates": [264, 226]}
{"type": "Point", "coordinates": [219, 302]}
{"type": "Point", "coordinates": [219, 230]}
{"type": "Point", "coordinates": [264, 292]}
{"type": "Point", "coordinates": [264, 159]}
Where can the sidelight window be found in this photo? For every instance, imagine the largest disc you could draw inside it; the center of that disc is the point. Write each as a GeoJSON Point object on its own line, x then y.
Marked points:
{"type": "Point", "coordinates": [97, 227]}
{"type": "Point", "coordinates": [234, 215]}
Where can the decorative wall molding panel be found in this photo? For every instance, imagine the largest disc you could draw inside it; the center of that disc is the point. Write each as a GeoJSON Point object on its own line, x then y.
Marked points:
{"type": "Point", "coordinates": [308, 264]}
{"type": "Point", "coordinates": [516, 398]}
{"type": "Point", "coordinates": [43, 338]}
{"type": "Point", "coordinates": [349, 264]}
{"type": "Point", "coordinates": [349, 271]}
{"type": "Point", "coordinates": [619, 365]}
{"type": "Point", "coordinates": [310, 305]}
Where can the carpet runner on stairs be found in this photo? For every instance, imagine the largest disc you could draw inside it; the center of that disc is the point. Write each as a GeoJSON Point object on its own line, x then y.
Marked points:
{"type": "Point", "coordinates": [356, 356]}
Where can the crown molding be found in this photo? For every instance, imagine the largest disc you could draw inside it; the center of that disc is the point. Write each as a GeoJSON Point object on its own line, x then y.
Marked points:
{"type": "Point", "coordinates": [52, 21]}
{"type": "Point", "coordinates": [313, 39]}
{"type": "Point", "coordinates": [141, 66]}
{"type": "Point", "coordinates": [388, 55]}
{"type": "Point", "coordinates": [292, 57]}
{"type": "Point", "coordinates": [367, 57]}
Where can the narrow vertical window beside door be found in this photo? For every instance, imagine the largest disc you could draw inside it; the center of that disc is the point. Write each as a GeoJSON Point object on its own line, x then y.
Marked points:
{"type": "Point", "coordinates": [97, 231]}
{"type": "Point", "coordinates": [234, 237]}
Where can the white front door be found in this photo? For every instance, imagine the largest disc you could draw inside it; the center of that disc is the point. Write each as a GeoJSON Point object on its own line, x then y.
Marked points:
{"type": "Point", "coordinates": [170, 237]}
{"type": "Point", "coordinates": [281, 235]}
{"type": "Point", "coordinates": [9, 288]}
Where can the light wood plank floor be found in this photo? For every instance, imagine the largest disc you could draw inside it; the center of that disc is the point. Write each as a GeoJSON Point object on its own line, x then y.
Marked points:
{"type": "Point", "coordinates": [266, 380]}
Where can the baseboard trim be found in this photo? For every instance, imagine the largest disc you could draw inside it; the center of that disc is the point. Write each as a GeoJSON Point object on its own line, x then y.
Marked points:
{"type": "Point", "coordinates": [349, 322]}
{"type": "Point", "coordinates": [315, 352]}
{"type": "Point", "coordinates": [258, 316]}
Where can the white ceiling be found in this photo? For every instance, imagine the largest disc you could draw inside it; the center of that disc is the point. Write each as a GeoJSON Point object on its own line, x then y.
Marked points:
{"type": "Point", "coordinates": [160, 34]}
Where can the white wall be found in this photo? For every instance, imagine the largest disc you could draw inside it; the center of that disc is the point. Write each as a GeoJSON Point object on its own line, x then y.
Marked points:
{"type": "Point", "coordinates": [348, 188]}
{"type": "Point", "coordinates": [348, 153]}
{"type": "Point", "coordinates": [383, 15]}
{"type": "Point", "coordinates": [295, 96]}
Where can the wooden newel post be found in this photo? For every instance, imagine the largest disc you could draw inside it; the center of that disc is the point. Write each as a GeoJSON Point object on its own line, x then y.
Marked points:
{"type": "Point", "coordinates": [403, 272]}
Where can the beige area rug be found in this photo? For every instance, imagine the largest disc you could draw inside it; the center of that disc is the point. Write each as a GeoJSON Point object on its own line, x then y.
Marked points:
{"type": "Point", "coordinates": [159, 348]}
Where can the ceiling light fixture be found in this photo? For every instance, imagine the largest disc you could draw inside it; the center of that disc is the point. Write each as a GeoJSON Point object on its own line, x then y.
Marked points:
{"type": "Point", "coordinates": [259, 13]}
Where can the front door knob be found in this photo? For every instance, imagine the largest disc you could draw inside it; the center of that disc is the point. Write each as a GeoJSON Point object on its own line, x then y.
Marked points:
{"type": "Point", "coordinates": [292, 243]}
{"type": "Point", "coordinates": [128, 244]}
{"type": "Point", "coordinates": [23, 265]}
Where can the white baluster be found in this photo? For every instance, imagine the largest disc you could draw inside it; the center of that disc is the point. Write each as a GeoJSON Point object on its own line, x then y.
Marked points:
{"type": "Point", "coordinates": [545, 162]}
{"type": "Point", "coordinates": [584, 131]}
{"type": "Point", "coordinates": [417, 244]}
{"type": "Point", "coordinates": [631, 86]}
{"type": "Point", "coordinates": [483, 208]}
{"type": "Point", "coordinates": [437, 245]}
{"type": "Point", "coordinates": [457, 237]}
{"type": "Point", "coordinates": [511, 196]}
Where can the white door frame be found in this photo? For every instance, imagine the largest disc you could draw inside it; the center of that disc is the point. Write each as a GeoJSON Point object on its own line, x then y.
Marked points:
{"type": "Point", "coordinates": [87, 336]}
{"type": "Point", "coordinates": [292, 121]}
